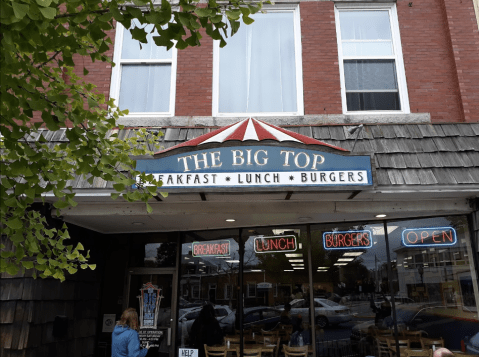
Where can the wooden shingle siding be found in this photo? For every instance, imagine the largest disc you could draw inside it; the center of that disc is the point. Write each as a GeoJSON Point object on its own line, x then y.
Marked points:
{"type": "Point", "coordinates": [450, 152]}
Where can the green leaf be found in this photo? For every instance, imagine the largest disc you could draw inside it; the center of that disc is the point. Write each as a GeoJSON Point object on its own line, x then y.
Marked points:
{"type": "Point", "coordinates": [44, 3]}
{"type": "Point", "coordinates": [61, 204]}
{"type": "Point", "coordinates": [27, 264]}
{"type": "Point", "coordinates": [15, 223]}
{"type": "Point", "coordinates": [12, 269]}
{"type": "Point", "coordinates": [20, 10]}
{"type": "Point", "coordinates": [149, 209]}
{"type": "Point", "coordinates": [80, 247]}
{"type": "Point", "coordinates": [85, 71]}
{"type": "Point", "coordinates": [202, 12]}
{"type": "Point", "coordinates": [84, 266]}
{"type": "Point", "coordinates": [92, 266]}
{"type": "Point", "coordinates": [48, 12]}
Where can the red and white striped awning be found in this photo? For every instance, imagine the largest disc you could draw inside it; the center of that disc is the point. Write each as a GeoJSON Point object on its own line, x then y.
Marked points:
{"type": "Point", "coordinates": [251, 129]}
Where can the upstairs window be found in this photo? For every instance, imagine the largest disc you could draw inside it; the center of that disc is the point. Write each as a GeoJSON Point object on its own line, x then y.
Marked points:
{"type": "Point", "coordinates": [259, 71]}
{"type": "Point", "coordinates": [143, 80]}
{"type": "Point", "coordinates": [371, 65]}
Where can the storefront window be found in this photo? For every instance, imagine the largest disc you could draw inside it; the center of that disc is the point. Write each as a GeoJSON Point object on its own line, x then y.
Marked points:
{"type": "Point", "coordinates": [369, 280]}
{"type": "Point", "coordinates": [432, 278]}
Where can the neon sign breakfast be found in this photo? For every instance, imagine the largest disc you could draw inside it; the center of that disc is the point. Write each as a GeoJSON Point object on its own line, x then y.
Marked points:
{"type": "Point", "coordinates": [211, 249]}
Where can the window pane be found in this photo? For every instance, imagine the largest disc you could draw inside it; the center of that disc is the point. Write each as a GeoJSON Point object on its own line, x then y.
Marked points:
{"type": "Point", "coordinates": [131, 48]}
{"type": "Point", "coordinates": [365, 25]}
{"type": "Point", "coordinates": [257, 70]}
{"type": "Point", "coordinates": [372, 101]}
{"type": "Point", "coordinates": [145, 88]}
{"type": "Point", "coordinates": [370, 75]}
{"type": "Point", "coordinates": [367, 48]}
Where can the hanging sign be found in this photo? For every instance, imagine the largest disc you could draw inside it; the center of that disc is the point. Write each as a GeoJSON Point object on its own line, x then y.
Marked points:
{"type": "Point", "coordinates": [429, 237]}
{"type": "Point", "coordinates": [348, 240]}
{"type": "Point", "coordinates": [275, 244]}
{"type": "Point", "coordinates": [150, 299]}
{"type": "Point", "coordinates": [258, 166]}
{"type": "Point", "coordinates": [211, 249]}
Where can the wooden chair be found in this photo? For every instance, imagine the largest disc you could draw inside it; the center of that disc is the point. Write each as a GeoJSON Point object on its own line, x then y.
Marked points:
{"type": "Point", "coordinates": [383, 347]}
{"type": "Point", "coordinates": [233, 340]}
{"type": "Point", "coordinates": [403, 345]}
{"type": "Point", "coordinates": [417, 353]}
{"type": "Point", "coordinates": [273, 341]}
{"type": "Point", "coordinates": [295, 351]}
{"type": "Point", "coordinates": [411, 334]}
{"type": "Point", "coordinates": [249, 352]}
{"type": "Point", "coordinates": [272, 333]}
{"type": "Point", "coordinates": [427, 343]}
{"type": "Point", "coordinates": [215, 351]}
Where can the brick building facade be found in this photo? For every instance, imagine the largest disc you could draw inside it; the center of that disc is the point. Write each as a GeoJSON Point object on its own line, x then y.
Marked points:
{"type": "Point", "coordinates": [425, 157]}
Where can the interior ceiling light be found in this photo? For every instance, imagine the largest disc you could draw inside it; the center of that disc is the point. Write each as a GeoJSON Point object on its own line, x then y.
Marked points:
{"type": "Point", "coordinates": [345, 259]}
{"type": "Point", "coordinates": [352, 254]}
{"type": "Point", "coordinates": [293, 255]}
{"type": "Point", "coordinates": [230, 220]}
{"type": "Point", "coordinates": [298, 265]}
{"type": "Point", "coordinates": [298, 268]}
{"type": "Point", "coordinates": [382, 215]}
{"type": "Point", "coordinates": [232, 261]}
{"type": "Point", "coordinates": [296, 261]}
{"type": "Point", "coordinates": [339, 264]}
{"type": "Point", "coordinates": [323, 267]}
{"type": "Point", "coordinates": [256, 270]}
{"type": "Point", "coordinates": [191, 263]}
{"type": "Point", "coordinates": [288, 270]}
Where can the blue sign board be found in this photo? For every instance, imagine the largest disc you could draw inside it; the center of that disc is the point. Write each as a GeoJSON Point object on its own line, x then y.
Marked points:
{"type": "Point", "coordinates": [258, 166]}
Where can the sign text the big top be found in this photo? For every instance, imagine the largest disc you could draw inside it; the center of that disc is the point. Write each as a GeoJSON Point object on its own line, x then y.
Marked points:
{"type": "Point", "coordinates": [258, 166]}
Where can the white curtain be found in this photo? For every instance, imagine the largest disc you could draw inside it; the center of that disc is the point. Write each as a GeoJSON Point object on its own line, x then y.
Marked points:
{"type": "Point", "coordinates": [257, 71]}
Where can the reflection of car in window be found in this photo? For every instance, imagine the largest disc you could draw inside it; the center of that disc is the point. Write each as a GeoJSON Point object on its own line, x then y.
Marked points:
{"type": "Point", "coordinates": [327, 312]}
{"type": "Point", "coordinates": [452, 323]}
{"type": "Point", "coordinates": [261, 315]}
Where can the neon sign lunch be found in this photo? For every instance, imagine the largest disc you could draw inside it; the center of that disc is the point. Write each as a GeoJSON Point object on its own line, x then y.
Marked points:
{"type": "Point", "coordinates": [258, 166]}
{"type": "Point", "coordinates": [275, 244]}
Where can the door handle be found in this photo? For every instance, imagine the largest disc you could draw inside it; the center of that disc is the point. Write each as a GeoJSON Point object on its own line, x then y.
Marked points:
{"type": "Point", "coordinates": [168, 339]}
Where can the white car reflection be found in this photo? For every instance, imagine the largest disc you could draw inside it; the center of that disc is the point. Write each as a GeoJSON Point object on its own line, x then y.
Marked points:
{"type": "Point", "coordinates": [327, 312]}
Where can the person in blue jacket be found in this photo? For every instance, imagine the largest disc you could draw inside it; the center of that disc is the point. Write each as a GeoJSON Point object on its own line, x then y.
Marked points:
{"type": "Point", "coordinates": [124, 339]}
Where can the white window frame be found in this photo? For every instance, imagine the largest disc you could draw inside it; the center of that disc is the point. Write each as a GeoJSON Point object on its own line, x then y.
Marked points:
{"type": "Point", "coordinates": [299, 68]}
{"type": "Point", "coordinates": [397, 56]}
{"type": "Point", "coordinates": [116, 75]}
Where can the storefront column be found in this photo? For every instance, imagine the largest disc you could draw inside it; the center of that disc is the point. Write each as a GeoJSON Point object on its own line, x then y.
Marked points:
{"type": "Point", "coordinates": [311, 291]}
{"type": "Point", "coordinates": [241, 293]}
{"type": "Point", "coordinates": [391, 287]}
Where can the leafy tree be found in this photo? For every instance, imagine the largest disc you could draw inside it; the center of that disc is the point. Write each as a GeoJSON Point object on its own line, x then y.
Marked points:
{"type": "Point", "coordinates": [40, 41]}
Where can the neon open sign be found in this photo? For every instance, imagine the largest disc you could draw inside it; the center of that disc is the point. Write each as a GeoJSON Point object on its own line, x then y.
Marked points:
{"type": "Point", "coordinates": [211, 249]}
{"type": "Point", "coordinates": [348, 240]}
{"type": "Point", "coordinates": [275, 244]}
{"type": "Point", "coordinates": [429, 237]}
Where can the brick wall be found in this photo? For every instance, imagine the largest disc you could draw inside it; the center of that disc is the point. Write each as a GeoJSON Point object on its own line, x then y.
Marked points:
{"type": "Point", "coordinates": [194, 80]}
{"type": "Point", "coordinates": [321, 84]}
{"type": "Point", "coordinates": [428, 59]}
{"type": "Point", "coordinates": [464, 36]}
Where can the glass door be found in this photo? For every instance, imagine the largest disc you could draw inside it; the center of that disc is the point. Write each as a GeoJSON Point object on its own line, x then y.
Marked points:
{"type": "Point", "coordinates": [152, 292]}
